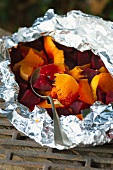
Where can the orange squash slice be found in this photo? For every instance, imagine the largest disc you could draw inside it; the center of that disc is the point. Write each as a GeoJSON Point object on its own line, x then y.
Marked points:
{"type": "Point", "coordinates": [67, 88]}
{"type": "Point", "coordinates": [106, 82]}
{"type": "Point", "coordinates": [85, 92]}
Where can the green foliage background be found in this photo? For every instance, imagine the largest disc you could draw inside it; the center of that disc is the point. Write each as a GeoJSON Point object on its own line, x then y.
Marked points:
{"type": "Point", "coordinates": [20, 13]}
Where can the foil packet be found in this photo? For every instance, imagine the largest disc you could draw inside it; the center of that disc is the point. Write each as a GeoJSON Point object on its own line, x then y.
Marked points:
{"type": "Point", "coordinates": [75, 29]}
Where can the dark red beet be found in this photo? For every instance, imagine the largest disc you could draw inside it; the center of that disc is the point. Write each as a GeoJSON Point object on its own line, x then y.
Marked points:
{"type": "Point", "coordinates": [63, 111]}
{"type": "Point", "coordinates": [101, 96]}
{"type": "Point", "coordinates": [77, 106]}
{"type": "Point", "coordinates": [43, 83]}
{"type": "Point", "coordinates": [29, 99]}
{"type": "Point", "coordinates": [74, 56]}
{"type": "Point", "coordinates": [101, 63]}
{"type": "Point", "coordinates": [15, 55]}
{"type": "Point", "coordinates": [109, 97]}
{"type": "Point", "coordinates": [83, 58]}
{"type": "Point", "coordinates": [60, 111]}
{"type": "Point", "coordinates": [49, 71]}
{"type": "Point", "coordinates": [70, 63]}
{"type": "Point", "coordinates": [19, 79]}
{"type": "Point", "coordinates": [71, 59]}
{"type": "Point", "coordinates": [37, 44]}
{"type": "Point", "coordinates": [96, 62]}
{"type": "Point", "coordinates": [89, 73]}
{"type": "Point", "coordinates": [23, 88]}
{"type": "Point", "coordinates": [64, 48]}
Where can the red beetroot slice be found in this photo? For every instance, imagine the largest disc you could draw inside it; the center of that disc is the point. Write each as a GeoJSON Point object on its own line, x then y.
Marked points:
{"type": "Point", "coordinates": [69, 62]}
{"type": "Point", "coordinates": [49, 71]}
{"type": "Point", "coordinates": [16, 55]}
{"type": "Point", "coordinates": [96, 62]}
{"type": "Point", "coordinates": [60, 111]}
{"type": "Point", "coordinates": [109, 97]}
{"type": "Point", "coordinates": [64, 48]}
{"type": "Point", "coordinates": [37, 44]}
{"type": "Point", "coordinates": [43, 83]}
{"type": "Point", "coordinates": [71, 59]}
{"type": "Point", "coordinates": [72, 56]}
{"type": "Point", "coordinates": [77, 106]}
{"type": "Point", "coordinates": [29, 99]}
{"type": "Point", "coordinates": [101, 96]}
{"type": "Point", "coordinates": [89, 73]}
{"type": "Point", "coordinates": [23, 88]}
{"type": "Point", "coordinates": [83, 58]}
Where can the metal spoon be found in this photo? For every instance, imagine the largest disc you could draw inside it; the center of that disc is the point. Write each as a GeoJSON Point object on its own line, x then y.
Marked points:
{"type": "Point", "coordinates": [60, 136]}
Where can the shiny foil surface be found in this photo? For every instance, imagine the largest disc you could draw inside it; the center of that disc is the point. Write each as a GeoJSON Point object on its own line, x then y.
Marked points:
{"type": "Point", "coordinates": [75, 29]}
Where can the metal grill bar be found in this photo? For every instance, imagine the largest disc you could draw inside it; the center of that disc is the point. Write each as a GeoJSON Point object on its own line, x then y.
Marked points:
{"type": "Point", "coordinates": [17, 150]}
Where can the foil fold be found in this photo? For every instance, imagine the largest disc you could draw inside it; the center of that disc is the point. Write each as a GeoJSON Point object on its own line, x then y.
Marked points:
{"type": "Point", "coordinates": [75, 29]}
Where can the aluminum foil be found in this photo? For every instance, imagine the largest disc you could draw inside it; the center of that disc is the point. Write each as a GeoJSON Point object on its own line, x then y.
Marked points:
{"type": "Point", "coordinates": [75, 29]}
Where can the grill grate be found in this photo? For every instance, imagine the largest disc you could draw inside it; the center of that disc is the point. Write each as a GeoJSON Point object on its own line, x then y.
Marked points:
{"type": "Point", "coordinates": [19, 151]}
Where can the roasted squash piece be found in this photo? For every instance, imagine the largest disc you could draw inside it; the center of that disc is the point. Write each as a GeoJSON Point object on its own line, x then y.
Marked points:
{"type": "Point", "coordinates": [85, 92]}
{"type": "Point", "coordinates": [85, 66]}
{"type": "Point", "coordinates": [79, 116]}
{"type": "Point", "coordinates": [25, 72]}
{"type": "Point", "coordinates": [53, 52]}
{"type": "Point", "coordinates": [67, 88]}
{"type": "Point", "coordinates": [76, 73]}
{"type": "Point", "coordinates": [106, 82]}
{"type": "Point", "coordinates": [54, 93]}
{"type": "Point", "coordinates": [25, 50]}
{"type": "Point", "coordinates": [45, 104]}
{"type": "Point", "coordinates": [103, 69]}
{"type": "Point", "coordinates": [28, 64]}
{"type": "Point", "coordinates": [94, 84]}
{"type": "Point", "coordinates": [32, 59]}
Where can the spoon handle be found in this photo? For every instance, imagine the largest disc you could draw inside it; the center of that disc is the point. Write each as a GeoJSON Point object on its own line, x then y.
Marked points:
{"type": "Point", "coordinates": [60, 136]}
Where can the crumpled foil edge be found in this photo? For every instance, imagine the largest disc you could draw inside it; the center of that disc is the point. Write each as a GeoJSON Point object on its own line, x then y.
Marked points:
{"type": "Point", "coordinates": [78, 30]}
